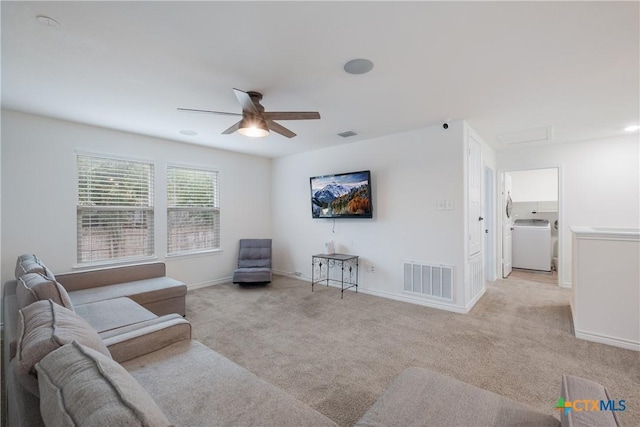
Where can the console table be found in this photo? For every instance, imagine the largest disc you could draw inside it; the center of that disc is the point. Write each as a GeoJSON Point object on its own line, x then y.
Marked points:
{"type": "Point", "coordinates": [347, 263]}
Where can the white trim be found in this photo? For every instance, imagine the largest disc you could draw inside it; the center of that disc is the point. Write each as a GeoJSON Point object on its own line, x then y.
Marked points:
{"type": "Point", "coordinates": [290, 274]}
{"type": "Point", "coordinates": [475, 299]}
{"type": "Point", "coordinates": [606, 339]}
{"type": "Point", "coordinates": [606, 233]}
{"type": "Point", "coordinates": [209, 283]}
{"type": "Point", "coordinates": [194, 254]}
{"type": "Point", "coordinates": [120, 262]}
{"type": "Point", "coordinates": [398, 297]}
{"type": "Point", "coordinates": [194, 166]}
{"type": "Point", "coordinates": [112, 156]}
{"type": "Point", "coordinates": [566, 285]}
{"type": "Point", "coordinates": [419, 301]}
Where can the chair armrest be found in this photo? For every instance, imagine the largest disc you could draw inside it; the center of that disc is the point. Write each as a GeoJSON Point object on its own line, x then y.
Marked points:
{"type": "Point", "coordinates": [136, 340]}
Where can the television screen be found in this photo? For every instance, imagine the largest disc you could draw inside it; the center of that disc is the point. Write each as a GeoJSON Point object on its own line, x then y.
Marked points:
{"type": "Point", "coordinates": [344, 195]}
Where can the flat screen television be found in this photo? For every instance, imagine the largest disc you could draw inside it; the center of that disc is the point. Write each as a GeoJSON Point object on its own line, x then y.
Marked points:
{"type": "Point", "coordinates": [343, 195]}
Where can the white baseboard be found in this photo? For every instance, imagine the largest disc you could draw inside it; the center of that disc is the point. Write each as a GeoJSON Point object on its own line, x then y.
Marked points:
{"type": "Point", "coordinates": [605, 339]}
{"type": "Point", "coordinates": [566, 285]}
{"type": "Point", "coordinates": [475, 299]}
{"type": "Point", "coordinates": [208, 283]}
{"type": "Point", "coordinates": [290, 274]}
{"type": "Point", "coordinates": [398, 297]}
{"type": "Point", "coordinates": [413, 300]}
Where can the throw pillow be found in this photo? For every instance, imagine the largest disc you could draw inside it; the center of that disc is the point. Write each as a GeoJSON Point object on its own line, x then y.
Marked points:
{"type": "Point", "coordinates": [32, 287]}
{"type": "Point", "coordinates": [29, 263]}
{"type": "Point", "coordinates": [79, 386]}
{"type": "Point", "coordinates": [45, 326]}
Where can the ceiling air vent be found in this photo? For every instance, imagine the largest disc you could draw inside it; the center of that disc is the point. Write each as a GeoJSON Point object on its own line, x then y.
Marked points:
{"type": "Point", "coordinates": [347, 134]}
{"type": "Point", "coordinates": [531, 135]}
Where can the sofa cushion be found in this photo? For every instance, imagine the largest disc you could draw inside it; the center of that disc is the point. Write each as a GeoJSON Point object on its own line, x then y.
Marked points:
{"type": "Point", "coordinates": [576, 388]}
{"type": "Point", "coordinates": [32, 287]}
{"type": "Point", "coordinates": [141, 291]}
{"type": "Point", "coordinates": [252, 275]}
{"type": "Point", "coordinates": [113, 313]}
{"type": "Point", "coordinates": [43, 327]}
{"type": "Point", "coordinates": [234, 396]}
{"type": "Point", "coordinates": [79, 386]}
{"type": "Point", "coordinates": [29, 263]}
{"type": "Point", "coordinates": [418, 397]}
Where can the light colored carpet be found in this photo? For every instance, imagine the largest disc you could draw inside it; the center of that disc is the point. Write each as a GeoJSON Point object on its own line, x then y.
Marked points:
{"type": "Point", "coordinates": [338, 355]}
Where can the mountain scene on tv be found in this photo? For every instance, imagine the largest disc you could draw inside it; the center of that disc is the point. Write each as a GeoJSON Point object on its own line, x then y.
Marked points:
{"type": "Point", "coordinates": [342, 195]}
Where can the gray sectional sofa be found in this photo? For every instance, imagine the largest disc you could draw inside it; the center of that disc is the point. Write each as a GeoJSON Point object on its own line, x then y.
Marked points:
{"type": "Point", "coordinates": [103, 348]}
{"type": "Point", "coordinates": [92, 354]}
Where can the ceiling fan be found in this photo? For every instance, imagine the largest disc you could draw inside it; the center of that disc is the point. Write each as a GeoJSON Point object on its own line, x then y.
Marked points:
{"type": "Point", "coordinates": [255, 121]}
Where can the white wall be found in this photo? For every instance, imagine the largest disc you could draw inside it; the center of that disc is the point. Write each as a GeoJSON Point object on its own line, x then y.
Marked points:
{"type": "Point", "coordinates": [534, 185]}
{"type": "Point", "coordinates": [410, 172]}
{"type": "Point", "coordinates": [599, 183]}
{"type": "Point", "coordinates": [39, 193]}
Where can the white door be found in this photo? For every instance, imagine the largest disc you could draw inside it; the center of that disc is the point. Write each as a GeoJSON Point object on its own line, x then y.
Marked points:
{"type": "Point", "coordinates": [475, 197]}
{"type": "Point", "coordinates": [507, 225]}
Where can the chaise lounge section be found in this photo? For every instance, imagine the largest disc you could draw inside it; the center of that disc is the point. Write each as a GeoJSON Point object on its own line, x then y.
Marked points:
{"type": "Point", "coordinates": [146, 284]}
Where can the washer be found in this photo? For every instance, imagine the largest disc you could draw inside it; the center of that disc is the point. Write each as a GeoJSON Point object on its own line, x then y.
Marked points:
{"type": "Point", "coordinates": [531, 247]}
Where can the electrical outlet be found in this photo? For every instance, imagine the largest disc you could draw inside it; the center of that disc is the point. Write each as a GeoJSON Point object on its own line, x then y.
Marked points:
{"type": "Point", "coordinates": [372, 269]}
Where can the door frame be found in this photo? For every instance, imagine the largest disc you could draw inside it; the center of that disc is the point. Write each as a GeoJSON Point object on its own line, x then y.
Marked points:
{"type": "Point", "coordinates": [561, 225]}
{"type": "Point", "coordinates": [489, 224]}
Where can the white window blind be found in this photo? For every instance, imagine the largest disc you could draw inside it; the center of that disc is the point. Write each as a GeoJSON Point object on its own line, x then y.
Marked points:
{"type": "Point", "coordinates": [193, 210]}
{"type": "Point", "coordinates": [115, 209]}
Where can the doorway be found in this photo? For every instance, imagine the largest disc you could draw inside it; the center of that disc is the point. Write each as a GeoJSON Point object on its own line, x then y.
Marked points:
{"type": "Point", "coordinates": [531, 197]}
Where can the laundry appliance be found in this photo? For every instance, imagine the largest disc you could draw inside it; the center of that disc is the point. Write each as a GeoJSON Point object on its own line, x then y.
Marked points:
{"type": "Point", "coordinates": [531, 244]}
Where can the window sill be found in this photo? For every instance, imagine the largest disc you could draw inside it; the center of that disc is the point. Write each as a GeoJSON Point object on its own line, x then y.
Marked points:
{"type": "Point", "coordinates": [115, 263]}
{"type": "Point", "coordinates": [195, 254]}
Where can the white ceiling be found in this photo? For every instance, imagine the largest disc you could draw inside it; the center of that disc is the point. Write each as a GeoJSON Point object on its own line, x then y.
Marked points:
{"type": "Point", "coordinates": [502, 66]}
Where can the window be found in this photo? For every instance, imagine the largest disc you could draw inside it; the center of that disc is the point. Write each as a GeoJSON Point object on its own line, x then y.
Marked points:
{"type": "Point", "coordinates": [115, 209]}
{"type": "Point", "coordinates": [193, 210]}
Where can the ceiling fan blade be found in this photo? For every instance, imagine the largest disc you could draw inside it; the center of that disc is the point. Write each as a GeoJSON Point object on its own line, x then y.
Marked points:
{"type": "Point", "coordinates": [224, 113]}
{"type": "Point", "coordinates": [245, 101]}
{"type": "Point", "coordinates": [278, 128]}
{"type": "Point", "coordinates": [291, 115]}
{"type": "Point", "coordinates": [232, 129]}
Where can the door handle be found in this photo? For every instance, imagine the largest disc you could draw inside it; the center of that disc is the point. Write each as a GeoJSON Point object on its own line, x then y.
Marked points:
{"type": "Point", "coordinates": [480, 219]}
{"type": "Point", "coordinates": [512, 229]}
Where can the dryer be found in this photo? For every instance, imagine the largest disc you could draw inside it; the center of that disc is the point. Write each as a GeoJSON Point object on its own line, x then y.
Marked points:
{"type": "Point", "coordinates": [531, 245]}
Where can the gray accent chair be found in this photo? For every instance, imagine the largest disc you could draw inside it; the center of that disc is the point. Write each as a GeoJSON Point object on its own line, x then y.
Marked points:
{"type": "Point", "coordinates": [254, 261]}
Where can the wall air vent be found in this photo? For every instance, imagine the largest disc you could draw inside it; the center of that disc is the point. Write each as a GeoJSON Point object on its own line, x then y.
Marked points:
{"type": "Point", "coordinates": [347, 134]}
{"type": "Point", "coordinates": [531, 135]}
{"type": "Point", "coordinates": [428, 279]}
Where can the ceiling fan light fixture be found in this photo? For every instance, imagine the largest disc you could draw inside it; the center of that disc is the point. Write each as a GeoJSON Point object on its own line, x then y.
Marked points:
{"type": "Point", "coordinates": [253, 127]}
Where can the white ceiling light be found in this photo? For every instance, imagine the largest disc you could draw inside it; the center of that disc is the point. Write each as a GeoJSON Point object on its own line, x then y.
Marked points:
{"type": "Point", "coordinates": [254, 127]}
{"type": "Point", "coordinates": [632, 128]}
{"type": "Point", "coordinates": [358, 66]}
{"type": "Point", "coordinates": [188, 132]}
